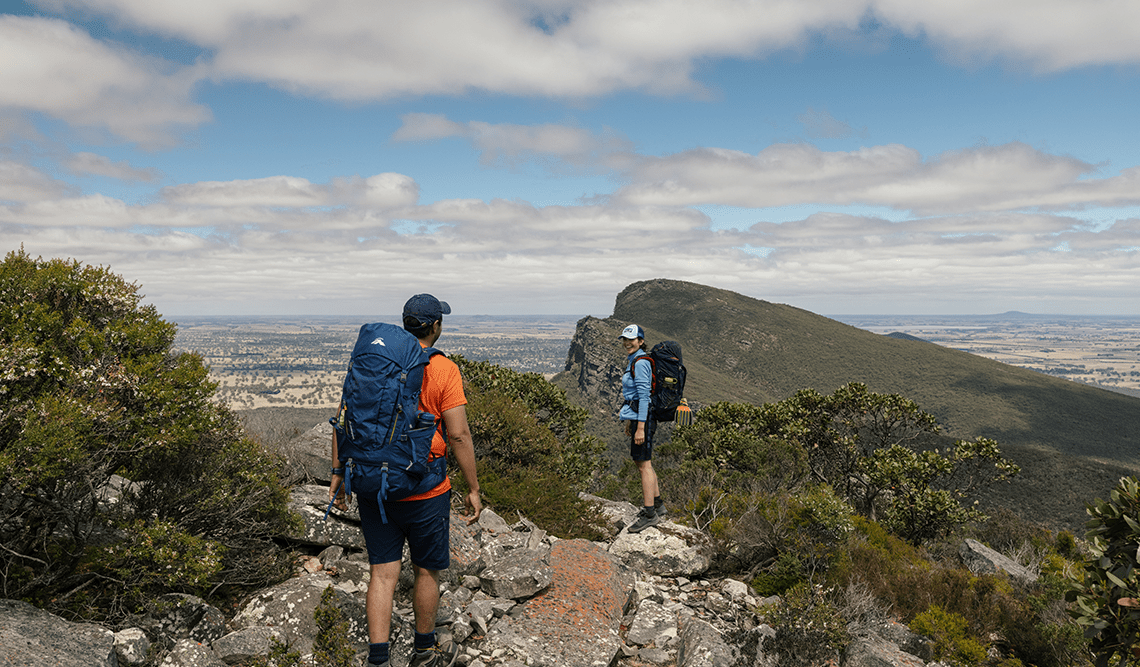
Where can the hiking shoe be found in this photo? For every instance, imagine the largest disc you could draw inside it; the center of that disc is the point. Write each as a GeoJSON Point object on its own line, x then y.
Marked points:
{"type": "Point", "coordinates": [660, 510]}
{"type": "Point", "coordinates": [645, 518]}
{"type": "Point", "coordinates": [440, 655]}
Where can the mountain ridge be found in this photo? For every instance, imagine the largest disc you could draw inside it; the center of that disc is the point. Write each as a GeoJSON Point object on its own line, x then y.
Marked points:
{"type": "Point", "coordinates": [1073, 441]}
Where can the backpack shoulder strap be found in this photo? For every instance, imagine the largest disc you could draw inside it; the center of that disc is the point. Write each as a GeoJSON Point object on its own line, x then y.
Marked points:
{"type": "Point", "coordinates": [652, 369]}
{"type": "Point", "coordinates": [431, 352]}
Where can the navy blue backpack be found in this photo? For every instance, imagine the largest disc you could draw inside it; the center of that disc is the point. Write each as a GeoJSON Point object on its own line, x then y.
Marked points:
{"type": "Point", "coordinates": [667, 386]}
{"type": "Point", "coordinates": [383, 439]}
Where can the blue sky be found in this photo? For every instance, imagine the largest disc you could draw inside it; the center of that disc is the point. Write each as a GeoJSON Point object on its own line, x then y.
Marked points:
{"type": "Point", "coordinates": [537, 156]}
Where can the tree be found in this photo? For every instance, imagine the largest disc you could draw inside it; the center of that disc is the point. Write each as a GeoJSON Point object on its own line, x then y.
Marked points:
{"type": "Point", "coordinates": [91, 393]}
{"type": "Point", "coordinates": [875, 450]}
{"type": "Point", "coordinates": [1106, 592]}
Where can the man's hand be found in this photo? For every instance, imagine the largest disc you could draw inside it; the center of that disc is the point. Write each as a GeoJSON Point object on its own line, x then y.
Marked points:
{"type": "Point", "coordinates": [474, 505]}
{"type": "Point", "coordinates": [337, 494]}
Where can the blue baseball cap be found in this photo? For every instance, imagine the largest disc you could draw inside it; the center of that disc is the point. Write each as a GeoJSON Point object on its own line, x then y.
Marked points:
{"type": "Point", "coordinates": [426, 308]}
{"type": "Point", "coordinates": [632, 332]}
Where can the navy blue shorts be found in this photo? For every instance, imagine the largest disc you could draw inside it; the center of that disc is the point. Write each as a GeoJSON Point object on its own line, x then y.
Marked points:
{"type": "Point", "coordinates": [423, 523]}
{"type": "Point", "coordinates": [642, 452]}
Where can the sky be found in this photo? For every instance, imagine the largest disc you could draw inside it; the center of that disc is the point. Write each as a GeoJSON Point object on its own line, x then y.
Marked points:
{"type": "Point", "coordinates": [322, 157]}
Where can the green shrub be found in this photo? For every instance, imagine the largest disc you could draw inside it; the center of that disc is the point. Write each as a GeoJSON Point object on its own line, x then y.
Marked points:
{"type": "Point", "coordinates": [1106, 592]}
{"type": "Point", "coordinates": [543, 497]}
{"type": "Point", "coordinates": [522, 420]}
{"type": "Point", "coordinates": [809, 628]}
{"type": "Point", "coordinates": [948, 630]}
{"type": "Point", "coordinates": [90, 388]}
{"type": "Point", "coordinates": [331, 647]}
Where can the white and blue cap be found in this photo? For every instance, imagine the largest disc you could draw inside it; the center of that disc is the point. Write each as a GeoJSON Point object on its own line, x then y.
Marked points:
{"type": "Point", "coordinates": [632, 332]}
{"type": "Point", "coordinates": [426, 308]}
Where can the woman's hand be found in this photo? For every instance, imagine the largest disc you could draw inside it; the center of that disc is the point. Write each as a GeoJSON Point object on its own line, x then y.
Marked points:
{"type": "Point", "coordinates": [639, 434]}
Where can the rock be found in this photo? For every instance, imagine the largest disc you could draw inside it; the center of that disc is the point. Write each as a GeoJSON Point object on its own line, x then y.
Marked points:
{"type": "Point", "coordinates": [520, 573]}
{"type": "Point", "coordinates": [573, 623]}
{"type": "Point", "coordinates": [341, 528]}
{"type": "Point", "coordinates": [308, 453]}
{"type": "Point", "coordinates": [31, 637]}
{"type": "Point", "coordinates": [666, 549]}
{"type": "Point", "coordinates": [467, 558]}
{"type": "Point", "coordinates": [617, 514]}
{"type": "Point", "coordinates": [289, 607]}
{"type": "Point", "coordinates": [178, 616]}
{"type": "Point", "coordinates": [981, 559]}
{"type": "Point", "coordinates": [875, 651]}
{"type": "Point", "coordinates": [651, 621]}
{"type": "Point", "coordinates": [702, 646]}
{"type": "Point", "coordinates": [246, 644]}
{"type": "Point", "coordinates": [189, 653]}
{"type": "Point", "coordinates": [131, 647]}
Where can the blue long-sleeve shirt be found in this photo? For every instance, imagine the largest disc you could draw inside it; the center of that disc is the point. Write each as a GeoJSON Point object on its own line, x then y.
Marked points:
{"type": "Point", "coordinates": [635, 386]}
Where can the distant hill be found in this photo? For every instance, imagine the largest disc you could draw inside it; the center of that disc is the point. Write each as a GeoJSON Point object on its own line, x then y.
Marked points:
{"type": "Point", "coordinates": [1073, 441]}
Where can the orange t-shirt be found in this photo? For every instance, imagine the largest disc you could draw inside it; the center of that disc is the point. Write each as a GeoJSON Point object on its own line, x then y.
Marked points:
{"type": "Point", "coordinates": [443, 390]}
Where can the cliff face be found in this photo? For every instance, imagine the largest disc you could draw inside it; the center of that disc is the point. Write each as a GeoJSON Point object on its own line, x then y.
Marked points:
{"type": "Point", "coordinates": [594, 363]}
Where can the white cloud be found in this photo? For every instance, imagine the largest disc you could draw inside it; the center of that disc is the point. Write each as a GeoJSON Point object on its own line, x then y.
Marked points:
{"type": "Point", "coordinates": [101, 165]}
{"type": "Point", "coordinates": [510, 256]}
{"type": "Point", "coordinates": [581, 48]}
{"type": "Point", "coordinates": [990, 178]}
{"type": "Point", "coordinates": [22, 183]}
{"type": "Point", "coordinates": [1049, 35]}
{"type": "Point", "coordinates": [54, 68]}
{"type": "Point", "coordinates": [382, 190]}
{"type": "Point", "coordinates": [508, 144]}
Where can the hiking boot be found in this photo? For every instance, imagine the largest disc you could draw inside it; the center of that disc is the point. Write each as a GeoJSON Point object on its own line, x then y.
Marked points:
{"type": "Point", "coordinates": [645, 518]}
{"type": "Point", "coordinates": [660, 510]}
{"type": "Point", "coordinates": [440, 655]}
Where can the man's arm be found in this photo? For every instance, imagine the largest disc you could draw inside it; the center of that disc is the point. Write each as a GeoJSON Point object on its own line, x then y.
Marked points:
{"type": "Point", "coordinates": [336, 482]}
{"type": "Point", "coordinates": [462, 447]}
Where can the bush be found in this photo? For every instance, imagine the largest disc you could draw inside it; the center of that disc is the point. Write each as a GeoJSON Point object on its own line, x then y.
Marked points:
{"type": "Point", "coordinates": [1106, 592]}
{"type": "Point", "coordinates": [948, 630]}
{"type": "Point", "coordinates": [89, 389]}
{"type": "Point", "coordinates": [522, 420]}
{"type": "Point", "coordinates": [542, 497]}
{"type": "Point", "coordinates": [809, 628]}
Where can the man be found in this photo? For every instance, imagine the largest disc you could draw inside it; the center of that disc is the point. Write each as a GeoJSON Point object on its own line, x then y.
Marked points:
{"type": "Point", "coordinates": [420, 519]}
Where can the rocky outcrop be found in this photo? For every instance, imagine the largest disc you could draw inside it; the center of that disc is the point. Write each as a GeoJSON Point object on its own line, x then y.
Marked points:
{"type": "Point", "coordinates": [513, 596]}
{"type": "Point", "coordinates": [595, 362]}
{"type": "Point", "coordinates": [980, 559]}
{"type": "Point", "coordinates": [30, 637]}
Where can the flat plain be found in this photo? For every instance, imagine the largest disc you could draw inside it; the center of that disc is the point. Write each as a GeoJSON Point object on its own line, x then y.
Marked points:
{"type": "Point", "coordinates": [300, 361]}
{"type": "Point", "coordinates": [1097, 350]}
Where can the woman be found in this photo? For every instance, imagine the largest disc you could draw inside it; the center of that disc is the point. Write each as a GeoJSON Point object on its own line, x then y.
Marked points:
{"type": "Point", "coordinates": [636, 382]}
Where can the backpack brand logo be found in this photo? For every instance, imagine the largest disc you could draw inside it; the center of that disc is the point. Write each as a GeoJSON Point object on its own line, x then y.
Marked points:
{"type": "Point", "coordinates": [379, 341]}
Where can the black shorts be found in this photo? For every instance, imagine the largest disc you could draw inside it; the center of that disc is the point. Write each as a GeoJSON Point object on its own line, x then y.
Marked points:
{"type": "Point", "coordinates": [642, 452]}
{"type": "Point", "coordinates": [425, 524]}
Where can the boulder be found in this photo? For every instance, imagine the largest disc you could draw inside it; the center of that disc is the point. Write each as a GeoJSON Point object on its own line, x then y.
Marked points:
{"type": "Point", "coordinates": [651, 622]}
{"type": "Point", "coordinates": [246, 644]}
{"type": "Point", "coordinates": [520, 573]}
{"type": "Point", "coordinates": [32, 637]}
{"type": "Point", "coordinates": [289, 607]}
{"type": "Point", "coordinates": [309, 452]}
{"type": "Point", "coordinates": [575, 622]}
{"type": "Point", "coordinates": [701, 645]}
{"type": "Point", "coordinates": [189, 653]}
{"type": "Point", "coordinates": [131, 647]}
{"type": "Point", "coordinates": [874, 651]}
{"type": "Point", "coordinates": [341, 528]}
{"type": "Point", "coordinates": [667, 549]}
{"type": "Point", "coordinates": [981, 559]}
{"type": "Point", "coordinates": [179, 616]}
